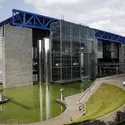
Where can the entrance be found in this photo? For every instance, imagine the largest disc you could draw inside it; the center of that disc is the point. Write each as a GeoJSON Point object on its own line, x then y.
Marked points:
{"type": "Point", "coordinates": [40, 51]}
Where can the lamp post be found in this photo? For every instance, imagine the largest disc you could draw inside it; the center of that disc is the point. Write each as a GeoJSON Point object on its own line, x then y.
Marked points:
{"type": "Point", "coordinates": [61, 97]}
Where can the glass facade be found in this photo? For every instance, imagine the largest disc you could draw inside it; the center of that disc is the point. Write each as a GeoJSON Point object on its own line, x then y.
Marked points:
{"type": "Point", "coordinates": [72, 51]}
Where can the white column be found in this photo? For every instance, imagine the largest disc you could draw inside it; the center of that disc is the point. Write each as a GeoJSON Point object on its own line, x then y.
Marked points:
{"type": "Point", "coordinates": [0, 96]}
{"type": "Point", "coordinates": [41, 101]}
{"type": "Point", "coordinates": [47, 49]}
{"type": "Point", "coordinates": [40, 49]}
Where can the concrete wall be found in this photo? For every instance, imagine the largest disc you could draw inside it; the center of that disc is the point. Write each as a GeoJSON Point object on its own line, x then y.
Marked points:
{"type": "Point", "coordinates": [1, 41]}
{"type": "Point", "coordinates": [17, 57]}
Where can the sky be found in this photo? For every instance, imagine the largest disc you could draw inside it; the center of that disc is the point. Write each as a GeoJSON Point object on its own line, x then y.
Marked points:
{"type": "Point", "coordinates": [108, 15]}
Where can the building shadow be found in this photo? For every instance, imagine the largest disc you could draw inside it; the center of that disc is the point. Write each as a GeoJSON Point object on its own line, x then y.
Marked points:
{"type": "Point", "coordinates": [120, 117]}
{"type": "Point", "coordinates": [118, 120]}
{"type": "Point", "coordinates": [94, 122]}
{"type": "Point", "coordinates": [21, 105]}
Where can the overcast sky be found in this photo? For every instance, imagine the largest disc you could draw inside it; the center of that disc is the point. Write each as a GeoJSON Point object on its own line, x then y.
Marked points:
{"type": "Point", "coordinates": [107, 15]}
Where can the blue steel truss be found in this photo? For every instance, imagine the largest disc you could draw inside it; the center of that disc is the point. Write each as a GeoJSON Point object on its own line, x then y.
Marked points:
{"type": "Point", "coordinates": [31, 20]}
{"type": "Point", "coordinates": [103, 35]}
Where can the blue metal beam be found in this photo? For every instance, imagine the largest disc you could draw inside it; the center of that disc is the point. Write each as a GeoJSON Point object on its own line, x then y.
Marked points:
{"type": "Point", "coordinates": [32, 20]}
{"type": "Point", "coordinates": [103, 35]}
{"type": "Point", "coordinates": [27, 19]}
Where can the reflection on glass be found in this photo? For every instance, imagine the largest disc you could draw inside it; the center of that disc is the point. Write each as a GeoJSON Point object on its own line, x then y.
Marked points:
{"type": "Point", "coordinates": [47, 102]}
{"type": "Point", "coordinates": [1, 107]}
{"type": "Point", "coordinates": [62, 108]}
{"type": "Point", "coordinates": [41, 104]}
{"type": "Point", "coordinates": [82, 87]}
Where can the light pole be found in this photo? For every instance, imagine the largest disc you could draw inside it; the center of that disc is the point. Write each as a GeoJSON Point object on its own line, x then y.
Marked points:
{"type": "Point", "coordinates": [61, 97]}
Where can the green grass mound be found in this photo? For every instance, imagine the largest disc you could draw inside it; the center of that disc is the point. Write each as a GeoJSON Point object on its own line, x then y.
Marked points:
{"type": "Point", "coordinates": [105, 100]}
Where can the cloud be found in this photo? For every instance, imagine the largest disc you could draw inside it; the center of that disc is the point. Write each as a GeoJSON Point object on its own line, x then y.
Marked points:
{"type": "Point", "coordinates": [54, 1]}
{"type": "Point", "coordinates": [1, 2]}
{"type": "Point", "coordinates": [107, 15]}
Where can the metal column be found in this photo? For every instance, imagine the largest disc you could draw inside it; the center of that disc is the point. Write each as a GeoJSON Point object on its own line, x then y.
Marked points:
{"type": "Point", "coordinates": [40, 62]}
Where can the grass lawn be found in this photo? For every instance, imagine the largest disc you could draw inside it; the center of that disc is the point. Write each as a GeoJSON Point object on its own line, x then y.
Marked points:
{"type": "Point", "coordinates": [105, 100]}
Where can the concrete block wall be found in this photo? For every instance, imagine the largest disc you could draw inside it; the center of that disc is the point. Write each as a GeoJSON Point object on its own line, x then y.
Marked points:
{"type": "Point", "coordinates": [17, 56]}
{"type": "Point", "coordinates": [1, 41]}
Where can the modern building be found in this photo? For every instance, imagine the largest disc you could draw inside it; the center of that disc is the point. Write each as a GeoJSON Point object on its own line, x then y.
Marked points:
{"type": "Point", "coordinates": [37, 48]}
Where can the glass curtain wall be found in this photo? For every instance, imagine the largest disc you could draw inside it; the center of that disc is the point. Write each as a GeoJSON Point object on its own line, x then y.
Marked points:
{"type": "Point", "coordinates": [69, 42]}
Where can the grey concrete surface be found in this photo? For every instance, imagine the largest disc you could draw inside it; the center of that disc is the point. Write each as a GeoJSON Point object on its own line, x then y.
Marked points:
{"type": "Point", "coordinates": [17, 56]}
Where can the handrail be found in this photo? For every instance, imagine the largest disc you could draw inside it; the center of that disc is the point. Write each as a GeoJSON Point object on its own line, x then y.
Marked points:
{"type": "Point", "coordinates": [87, 90]}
